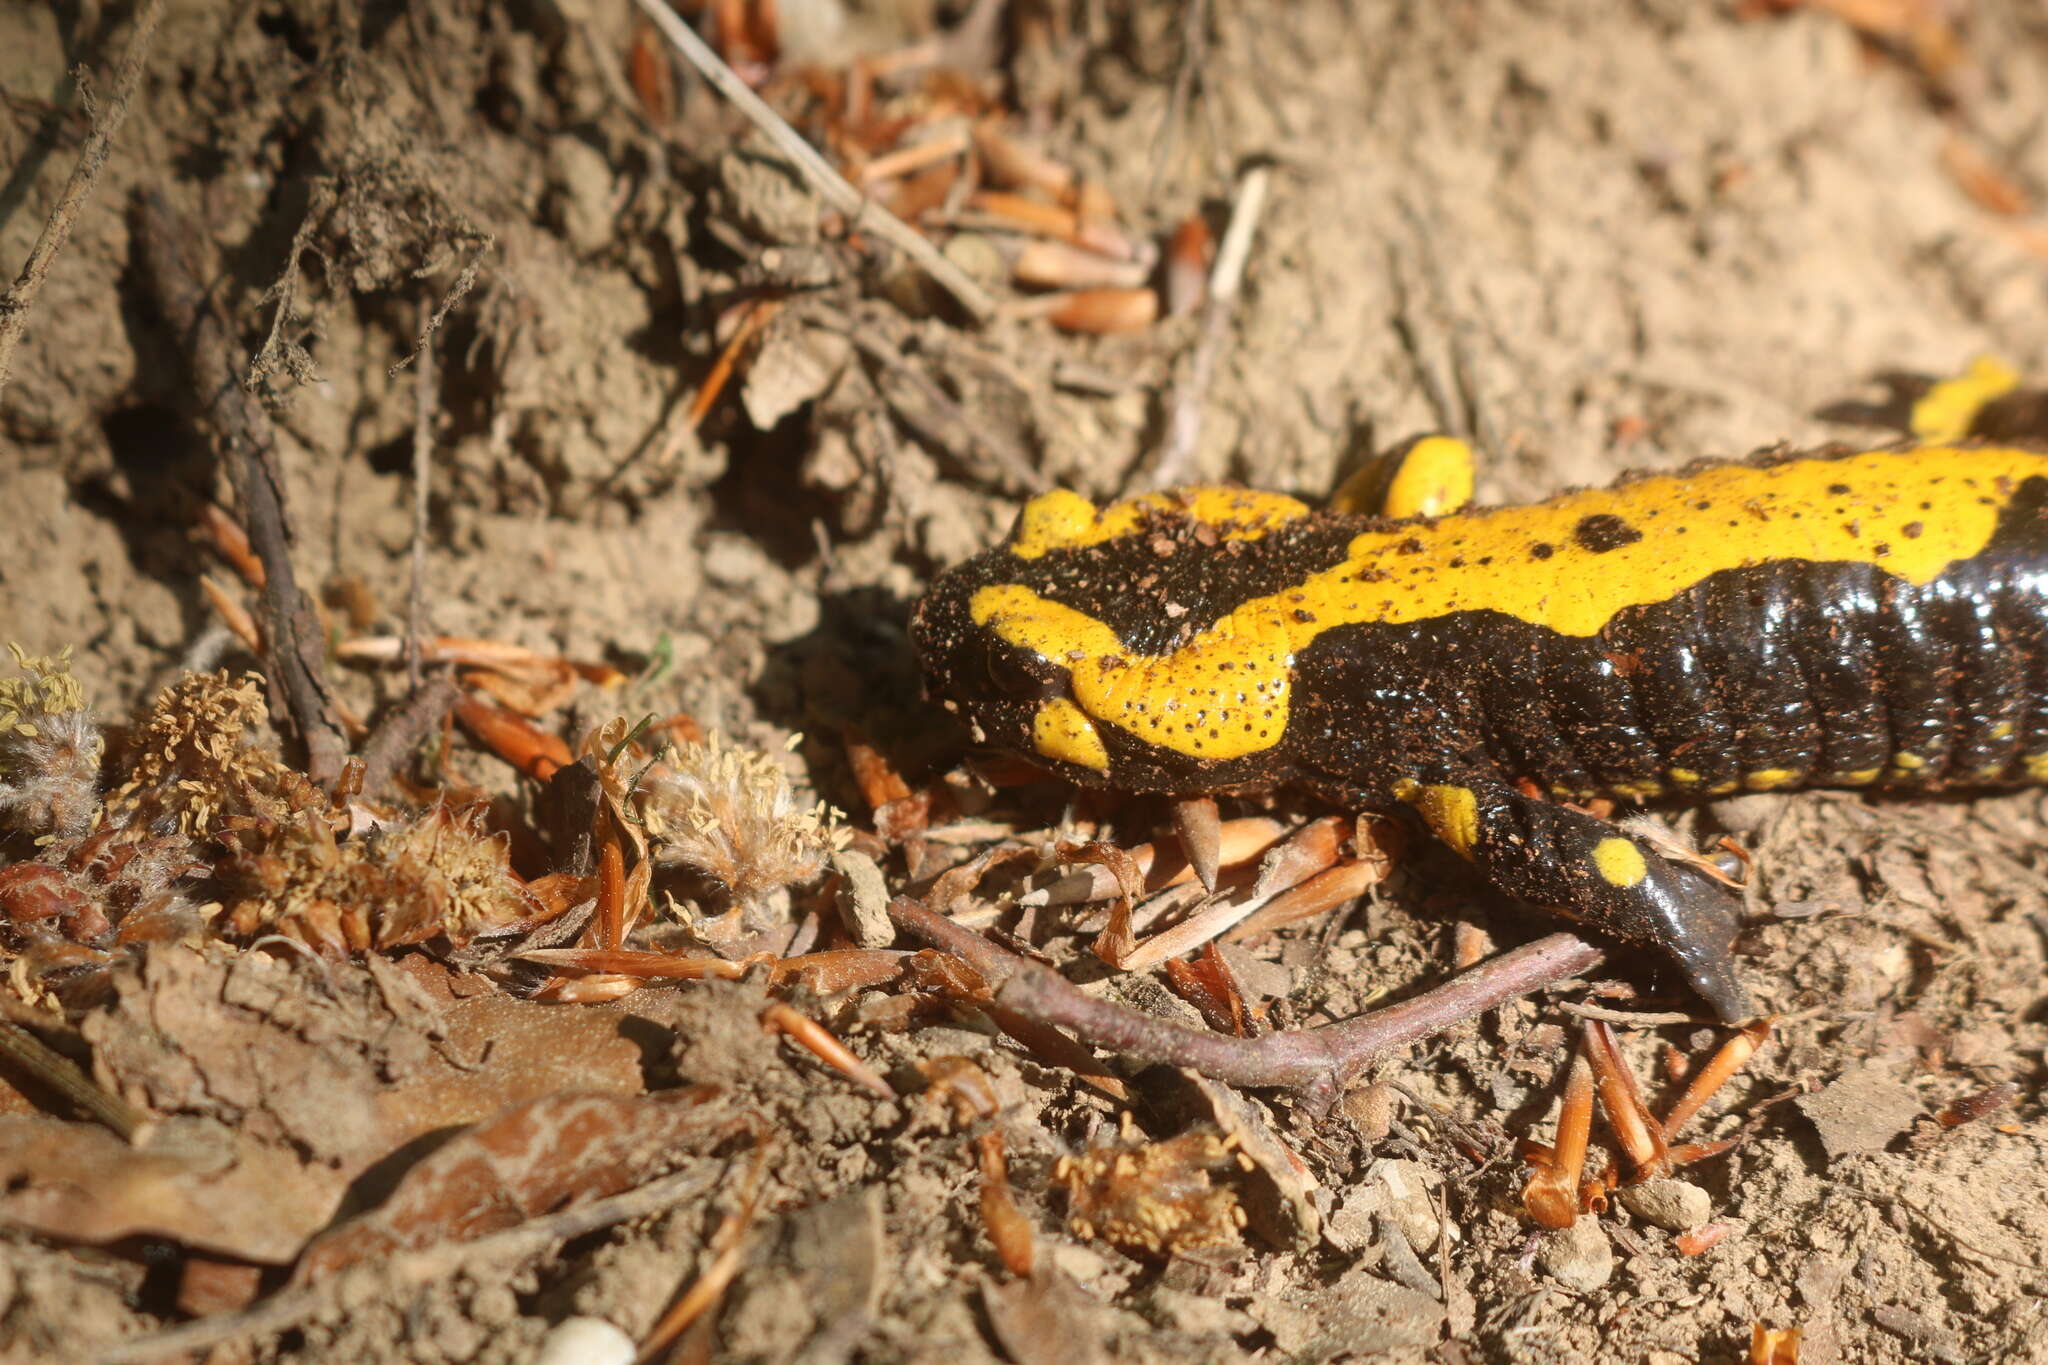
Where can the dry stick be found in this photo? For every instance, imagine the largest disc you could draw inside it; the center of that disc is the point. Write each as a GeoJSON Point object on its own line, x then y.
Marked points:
{"type": "Point", "coordinates": [61, 1074]}
{"type": "Point", "coordinates": [21, 296]}
{"type": "Point", "coordinates": [995, 966]}
{"type": "Point", "coordinates": [242, 430]}
{"type": "Point", "coordinates": [1320, 1061]}
{"type": "Point", "coordinates": [830, 186]}
{"type": "Point", "coordinates": [402, 730]}
{"type": "Point", "coordinates": [1224, 281]}
{"type": "Point", "coordinates": [1194, 50]}
{"type": "Point", "coordinates": [422, 464]}
{"type": "Point", "coordinates": [412, 1269]}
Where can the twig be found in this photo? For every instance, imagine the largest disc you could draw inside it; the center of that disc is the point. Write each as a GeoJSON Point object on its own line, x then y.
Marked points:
{"type": "Point", "coordinates": [1631, 1018]}
{"type": "Point", "coordinates": [1320, 1061]}
{"type": "Point", "coordinates": [995, 965]}
{"type": "Point", "coordinates": [728, 1245]}
{"type": "Point", "coordinates": [61, 1074]}
{"type": "Point", "coordinates": [403, 729]}
{"type": "Point", "coordinates": [860, 211]}
{"type": "Point", "coordinates": [92, 158]}
{"type": "Point", "coordinates": [242, 430]}
{"type": "Point", "coordinates": [1194, 52]}
{"type": "Point", "coordinates": [1225, 279]}
{"type": "Point", "coordinates": [422, 466]}
{"type": "Point", "coordinates": [411, 1269]}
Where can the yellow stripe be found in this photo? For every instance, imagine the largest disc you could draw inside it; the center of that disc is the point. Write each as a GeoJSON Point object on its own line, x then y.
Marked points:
{"type": "Point", "coordinates": [1062, 520]}
{"type": "Point", "coordinates": [1225, 693]}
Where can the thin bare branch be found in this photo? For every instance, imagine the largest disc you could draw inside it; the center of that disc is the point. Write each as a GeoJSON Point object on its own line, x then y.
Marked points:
{"type": "Point", "coordinates": [296, 657]}
{"type": "Point", "coordinates": [1321, 1061]}
{"type": "Point", "coordinates": [826, 182]}
{"type": "Point", "coordinates": [1225, 280]}
{"type": "Point", "coordinates": [20, 298]}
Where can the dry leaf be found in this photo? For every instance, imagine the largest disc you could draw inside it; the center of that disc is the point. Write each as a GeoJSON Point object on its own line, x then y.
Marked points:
{"type": "Point", "coordinates": [532, 1159]}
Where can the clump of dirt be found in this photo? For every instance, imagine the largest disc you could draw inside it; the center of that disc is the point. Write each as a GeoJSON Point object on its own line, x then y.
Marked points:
{"type": "Point", "coordinates": [693, 441]}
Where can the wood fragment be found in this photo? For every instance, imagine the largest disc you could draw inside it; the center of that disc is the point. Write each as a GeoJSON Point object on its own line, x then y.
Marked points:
{"type": "Point", "coordinates": [296, 657]}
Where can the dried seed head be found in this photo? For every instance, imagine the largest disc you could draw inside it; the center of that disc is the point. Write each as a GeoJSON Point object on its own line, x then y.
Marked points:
{"type": "Point", "coordinates": [190, 763]}
{"type": "Point", "coordinates": [49, 750]}
{"type": "Point", "coordinates": [439, 875]}
{"type": "Point", "coordinates": [1153, 1198]}
{"type": "Point", "coordinates": [730, 814]}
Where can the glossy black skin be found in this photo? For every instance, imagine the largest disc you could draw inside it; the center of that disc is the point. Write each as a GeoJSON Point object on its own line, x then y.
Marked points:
{"type": "Point", "coordinates": [1813, 670]}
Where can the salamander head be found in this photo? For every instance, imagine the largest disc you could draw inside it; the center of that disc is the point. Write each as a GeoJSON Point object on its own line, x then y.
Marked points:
{"type": "Point", "coordinates": [1089, 640]}
{"type": "Point", "coordinates": [1013, 697]}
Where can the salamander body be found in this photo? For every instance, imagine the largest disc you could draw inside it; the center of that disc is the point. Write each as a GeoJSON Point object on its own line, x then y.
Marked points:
{"type": "Point", "coordinates": [1837, 618]}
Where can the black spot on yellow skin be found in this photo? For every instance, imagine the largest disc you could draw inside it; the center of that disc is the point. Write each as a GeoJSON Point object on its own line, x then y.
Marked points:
{"type": "Point", "coordinates": [1603, 531]}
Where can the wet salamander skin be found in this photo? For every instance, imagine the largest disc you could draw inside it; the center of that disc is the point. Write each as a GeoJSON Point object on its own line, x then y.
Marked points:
{"type": "Point", "coordinates": [1841, 618]}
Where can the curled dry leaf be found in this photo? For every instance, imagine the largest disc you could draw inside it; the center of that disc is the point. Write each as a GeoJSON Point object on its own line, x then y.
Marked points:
{"type": "Point", "coordinates": [530, 1160]}
{"type": "Point", "coordinates": [1277, 1187]}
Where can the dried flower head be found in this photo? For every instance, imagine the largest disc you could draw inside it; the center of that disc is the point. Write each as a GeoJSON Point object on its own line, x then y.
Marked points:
{"type": "Point", "coordinates": [49, 749]}
{"type": "Point", "coordinates": [730, 814]}
{"type": "Point", "coordinates": [191, 763]}
{"type": "Point", "coordinates": [1154, 1198]}
{"type": "Point", "coordinates": [439, 875]}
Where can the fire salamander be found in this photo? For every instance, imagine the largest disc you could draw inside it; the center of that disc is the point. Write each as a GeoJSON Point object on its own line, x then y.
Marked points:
{"type": "Point", "coordinates": [1838, 618]}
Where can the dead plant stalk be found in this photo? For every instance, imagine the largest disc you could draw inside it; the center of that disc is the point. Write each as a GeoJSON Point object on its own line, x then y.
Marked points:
{"type": "Point", "coordinates": [20, 298]}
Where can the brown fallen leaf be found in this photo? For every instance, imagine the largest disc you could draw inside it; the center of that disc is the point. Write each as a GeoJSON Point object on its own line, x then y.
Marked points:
{"type": "Point", "coordinates": [530, 1160]}
{"type": "Point", "coordinates": [195, 1184]}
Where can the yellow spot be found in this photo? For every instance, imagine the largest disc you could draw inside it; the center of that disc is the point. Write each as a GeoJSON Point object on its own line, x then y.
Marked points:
{"type": "Point", "coordinates": [1062, 520]}
{"type": "Point", "coordinates": [2037, 767]}
{"type": "Point", "coordinates": [1452, 813]}
{"type": "Point", "coordinates": [1723, 788]}
{"type": "Point", "coordinates": [1947, 411]}
{"type": "Point", "coordinates": [1858, 777]}
{"type": "Point", "coordinates": [1770, 779]}
{"type": "Point", "coordinates": [1686, 777]}
{"type": "Point", "coordinates": [1062, 730]}
{"type": "Point", "coordinates": [1619, 862]}
{"type": "Point", "coordinates": [1987, 772]}
{"type": "Point", "coordinates": [1637, 791]}
{"type": "Point", "coordinates": [2005, 729]}
{"type": "Point", "coordinates": [1434, 480]}
{"type": "Point", "coordinates": [1225, 692]}
{"type": "Point", "coordinates": [1908, 763]}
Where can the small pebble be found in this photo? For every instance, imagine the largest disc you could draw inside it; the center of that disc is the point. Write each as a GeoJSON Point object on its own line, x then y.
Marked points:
{"type": "Point", "coordinates": [585, 1341]}
{"type": "Point", "coordinates": [1578, 1257]}
{"type": "Point", "coordinates": [1676, 1205]}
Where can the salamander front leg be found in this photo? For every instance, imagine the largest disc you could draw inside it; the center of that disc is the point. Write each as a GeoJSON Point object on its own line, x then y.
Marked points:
{"type": "Point", "coordinates": [1593, 872]}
